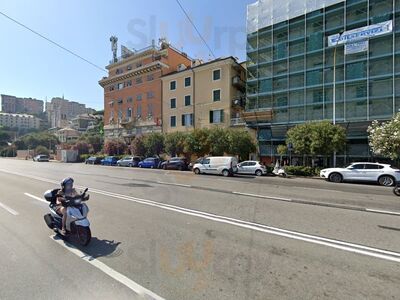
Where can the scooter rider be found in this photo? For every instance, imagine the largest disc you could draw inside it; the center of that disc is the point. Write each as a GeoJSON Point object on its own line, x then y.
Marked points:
{"type": "Point", "coordinates": [67, 189]}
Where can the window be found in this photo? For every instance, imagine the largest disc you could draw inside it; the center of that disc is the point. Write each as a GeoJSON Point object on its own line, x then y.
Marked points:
{"type": "Point", "coordinates": [206, 161]}
{"type": "Point", "coordinates": [120, 86]}
{"type": "Point", "coordinates": [217, 74]}
{"type": "Point", "coordinates": [139, 97]}
{"type": "Point", "coordinates": [139, 64]}
{"type": "Point", "coordinates": [129, 113]}
{"type": "Point", "coordinates": [358, 166]}
{"type": "Point", "coordinates": [129, 67]}
{"type": "Point", "coordinates": [216, 95]}
{"type": "Point", "coordinates": [150, 77]}
{"type": "Point", "coordinates": [129, 83]}
{"type": "Point", "coordinates": [172, 121]}
{"type": "Point", "coordinates": [129, 100]}
{"type": "Point", "coordinates": [139, 80]}
{"type": "Point", "coordinates": [187, 120]}
{"type": "Point", "coordinates": [172, 85]}
{"type": "Point", "coordinates": [150, 95]}
{"type": "Point", "coordinates": [150, 109]}
{"type": "Point", "coordinates": [173, 103]}
{"type": "Point", "coordinates": [188, 81]}
{"type": "Point", "coordinates": [216, 116]}
{"type": "Point", "coordinates": [139, 110]}
{"type": "Point", "coordinates": [371, 167]}
{"type": "Point", "coordinates": [188, 100]}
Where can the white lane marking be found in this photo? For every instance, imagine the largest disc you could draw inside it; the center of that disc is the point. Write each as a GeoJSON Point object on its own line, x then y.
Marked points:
{"type": "Point", "coordinates": [350, 247]}
{"type": "Point", "coordinates": [346, 246]}
{"type": "Point", "coordinates": [142, 292]}
{"type": "Point", "coordinates": [262, 196]}
{"type": "Point", "coordinates": [34, 197]}
{"type": "Point", "coordinates": [9, 209]}
{"type": "Point", "coordinates": [383, 211]}
{"type": "Point", "coordinates": [174, 184]}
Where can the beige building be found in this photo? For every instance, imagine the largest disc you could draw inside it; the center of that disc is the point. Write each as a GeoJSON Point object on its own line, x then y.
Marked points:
{"type": "Point", "coordinates": [67, 135]}
{"type": "Point", "coordinates": [203, 96]}
{"type": "Point", "coordinates": [21, 121]}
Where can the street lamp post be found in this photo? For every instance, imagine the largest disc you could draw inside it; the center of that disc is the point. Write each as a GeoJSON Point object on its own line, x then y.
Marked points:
{"type": "Point", "coordinates": [334, 88]}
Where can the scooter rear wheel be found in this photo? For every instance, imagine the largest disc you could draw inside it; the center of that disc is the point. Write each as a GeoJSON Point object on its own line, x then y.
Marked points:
{"type": "Point", "coordinates": [84, 235]}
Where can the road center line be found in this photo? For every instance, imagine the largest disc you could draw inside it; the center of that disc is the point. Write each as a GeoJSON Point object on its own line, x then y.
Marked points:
{"type": "Point", "coordinates": [174, 184]}
{"type": "Point", "coordinates": [10, 210]}
{"type": "Point", "coordinates": [346, 246]}
{"type": "Point", "coordinates": [34, 197]}
{"type": "Point", "coordinates": [142, 292]}
{"type": "Point", "coordinates": [262, 196]}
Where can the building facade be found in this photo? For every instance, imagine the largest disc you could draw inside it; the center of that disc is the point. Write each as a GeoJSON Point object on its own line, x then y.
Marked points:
{"type": "Point", "coordinates": [60, 112]}
{"type": "Point", "coordinates": [203, 96]}
{"type": "Point", "coordinates": [17, 105]}
{"type": "Point", "coordinates": [133, 91]}
{"type": "Point", "coordinates": [20, 121]}
{"type": "Point", "coordinates": [293, 67]}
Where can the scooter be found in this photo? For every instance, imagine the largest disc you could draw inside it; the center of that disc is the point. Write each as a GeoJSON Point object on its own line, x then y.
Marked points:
{"type": "Point", "coordinates": [279, 172]}
{"type": "Point", "coordinates": [396, 189]}
{"type": "Point", "coordinates": [77, 224]}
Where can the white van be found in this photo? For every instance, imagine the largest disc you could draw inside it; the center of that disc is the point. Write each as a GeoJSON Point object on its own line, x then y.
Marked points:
{"type": "Point", "coordinates": [222, 165]}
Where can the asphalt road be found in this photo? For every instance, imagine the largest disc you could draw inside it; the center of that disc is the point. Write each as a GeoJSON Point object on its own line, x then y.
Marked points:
{"type": "Point", "coordinates": [173, 235]}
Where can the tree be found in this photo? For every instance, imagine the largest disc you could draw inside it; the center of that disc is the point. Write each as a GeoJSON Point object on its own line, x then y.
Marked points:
{"type": "Point", "coordinates": [154, 143]}
{"type": "Point", "coordinates": [197, 142]}
{"type": "Point", "coordinates": [41, 150]}
{"type": "Point", "coordinates": [384, 138]}
{"type": "Point", "coordinates": [316, 138]}
{"type": "Point", "coordinates": [218, 140]}
{"type": "Point", "coordinates": [83, 148]}
{"type": "Point", "coordinates": [175, 143]}
{"type": "Point", "coordinates": [137, 146]}
{"type": "Point", "coordinates": [115, 147]}
{"type": "Point", "coordinates": [4, 138]}
{"type": "Point", "coordinates": [94, 139]}
{"type": "Point", "coordinates": [241, 143]}
{"type": "Point", "coordinates": [32, 140]}
{"type": "Point", "coordinates": [282, 150]}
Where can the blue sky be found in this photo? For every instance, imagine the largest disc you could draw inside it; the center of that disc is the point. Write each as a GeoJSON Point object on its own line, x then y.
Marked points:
{"type": "Point", "coordinates": [32, 67]}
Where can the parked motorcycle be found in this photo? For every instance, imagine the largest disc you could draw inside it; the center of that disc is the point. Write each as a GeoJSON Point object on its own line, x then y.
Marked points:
{"type": "Point", "coordinates": [278, 170]}
{"type": "Point", "coordinates": [77, 224]}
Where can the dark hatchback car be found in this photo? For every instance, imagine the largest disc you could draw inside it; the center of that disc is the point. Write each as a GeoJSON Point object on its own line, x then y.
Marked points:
{"type": "Point", "coordinates": [93, 160]}
{"type": "Point", "coordinates": [176, 163]}
{"type": "Point", "coordinates": [109, 161]}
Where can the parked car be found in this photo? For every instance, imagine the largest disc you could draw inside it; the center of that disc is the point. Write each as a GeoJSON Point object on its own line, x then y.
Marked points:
{"type": "Point", "coordinates": [363, 171]}
{"type": "Point", "coordinates": [222, 165]}
{"type": "Point", "coordinates": [93, 160]}
{"type": "Point", "coordinates": [190, 166]}
{"type": "Point", "coordinates": [251, 167]}
{"type": "Point", "coordinates": [109, 161]}
{"type": "Point", "coordinates": [150, 162]}
{"type": "Point", "coordinates": [41, 158]}
{"type": "Point", "coordinates": [175, 163]}
{"type": "Point", "coordinates": [129, 161]}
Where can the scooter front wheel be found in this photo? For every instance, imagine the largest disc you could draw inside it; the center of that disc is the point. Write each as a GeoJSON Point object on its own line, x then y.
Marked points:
{"type": "Point", "coordinates": [84, 235]}
{"type": "Point", "coordinates": [396, 191]}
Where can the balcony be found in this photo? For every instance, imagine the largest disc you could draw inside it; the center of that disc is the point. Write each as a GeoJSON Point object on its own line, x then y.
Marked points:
{"type": "Point", "coordinates": [239, 102]}
{"type": "Point", "coordinates": [237, 122]}
{"type": "Point", "coordinates": [238, 83]}
{"type": "Point", "coordinates": [264, 115]}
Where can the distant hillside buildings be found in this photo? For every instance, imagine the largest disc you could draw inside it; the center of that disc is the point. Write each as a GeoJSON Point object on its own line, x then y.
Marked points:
{"type": "Point", "coordinates": [17, 105]}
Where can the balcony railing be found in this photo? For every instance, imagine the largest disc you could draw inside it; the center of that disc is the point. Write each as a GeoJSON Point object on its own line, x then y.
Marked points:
{"type": "Point", "coordinates": [238, 82]}
{"type": "Point", "coordinates": [237, 122]}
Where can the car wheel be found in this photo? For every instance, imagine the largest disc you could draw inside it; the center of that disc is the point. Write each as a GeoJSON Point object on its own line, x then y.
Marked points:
{"type": "Point", "coordinates": [196, 171]}
{"type": "Point", "coordinates": [140, 166]}
{"type": "Point", "coordinates": [335, 177]}
{"type": "Point", "coordinates": [164, 167]}
{"type": "Point", "coordinates": [152, 167]}
{"type": "Point", "coordinates": [225, 173]}
{"type": "Point", "coordinates": [386, 180]}
{"type": "Point", "coordinates": [180, 168]}
{"type": "Point", "coordinates": [130, 165]}
{"type": "Point", "coordinates": [259, 173]}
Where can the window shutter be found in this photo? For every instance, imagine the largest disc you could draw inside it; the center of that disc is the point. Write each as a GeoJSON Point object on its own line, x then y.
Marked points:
{"type": "Point", "coordinates": [183, 120]}
{"type": "Point", "coordinates": [211, 116]}
{"type": "Point", "coordinates": [222, 115]}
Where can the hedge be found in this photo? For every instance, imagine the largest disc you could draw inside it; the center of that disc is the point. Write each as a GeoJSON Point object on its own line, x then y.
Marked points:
{"type": "Point", "coordinates": [302, 171]}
